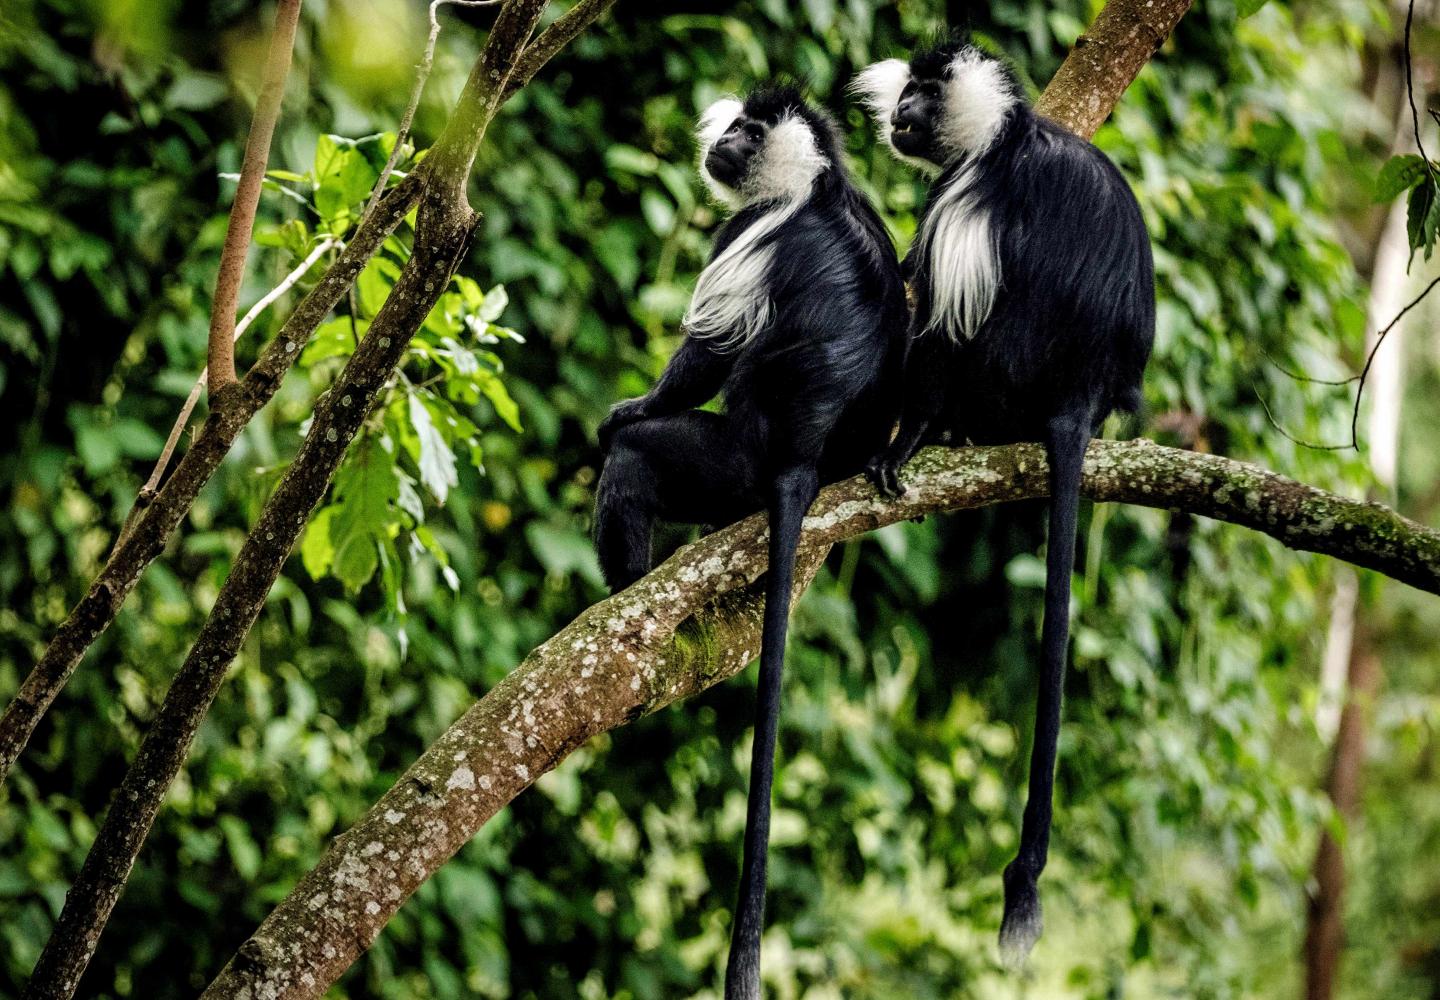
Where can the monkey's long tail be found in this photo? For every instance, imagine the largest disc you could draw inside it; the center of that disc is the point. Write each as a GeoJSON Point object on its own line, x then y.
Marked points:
{"type": "Point", "coordinates": [792, 493]}
{"type": "Point", "coordinates": [1066, 441]}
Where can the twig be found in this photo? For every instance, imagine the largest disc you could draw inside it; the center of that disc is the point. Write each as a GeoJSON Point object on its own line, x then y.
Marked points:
{"type": "Point", "coordinates": [1354, 442]}
{"type": "Point", "coordinates": [152, 485]}
{"type": "Point", "coordinates": [1414, 111]}
{"type": "Point", "coordinates": [221, 351]}
{"type": "Point", "coordinates": [1298, 377]}
{"type": "Point", "coordinates": [422, 73]}
{"type": "Point", "coordinates": [1370, 359]}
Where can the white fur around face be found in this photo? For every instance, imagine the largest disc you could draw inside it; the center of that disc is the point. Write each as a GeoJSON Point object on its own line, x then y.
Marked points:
{"type": "Point", "coordinates": [879, 86]}
{"type": "Point", "coordinates": [978, 95]}
{"type": "Point", "coordinates": [731, 304]}
{"type": "Point", "coordinates": [964, 260]}
{"type": "Point", "coordinates": [714, 121]}
{"type": "Point", "coordinates": [786, 165]}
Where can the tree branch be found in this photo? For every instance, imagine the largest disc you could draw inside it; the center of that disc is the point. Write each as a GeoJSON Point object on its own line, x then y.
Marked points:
{"type": "Point", "coordinates": [152, 485]}
{"type": "Point", "coordinates": [566, 29]}
{"type": "Point", "coordinates": [422, 74]}
{"type": "Point", "coordinates": [162, 512]}
{"type": "Point", "coordinates": [221, 352]}
{"type": "Point", "coordinates": [443, 229]}
{"type": "Point", "coordinates": [1106, 60]}
{"type": "Point", "coordinates": [156, 515]}
{"type": "Point", "coordinates": [694, 622]}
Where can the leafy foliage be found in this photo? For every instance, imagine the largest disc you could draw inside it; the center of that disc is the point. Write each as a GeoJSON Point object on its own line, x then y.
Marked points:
{"type": "Point", "coordinates": [455, 538]}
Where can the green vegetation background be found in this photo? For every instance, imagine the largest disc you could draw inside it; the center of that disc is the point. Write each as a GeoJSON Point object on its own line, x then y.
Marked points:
{"type": "Point", "coordinates": [1188, 804]}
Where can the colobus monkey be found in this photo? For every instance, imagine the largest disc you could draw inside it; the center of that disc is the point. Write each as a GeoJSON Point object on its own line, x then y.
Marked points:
{"type": "Point", "coordinates": [799, 322]}
{"type": "Point", "coordinates": [1035, 313]}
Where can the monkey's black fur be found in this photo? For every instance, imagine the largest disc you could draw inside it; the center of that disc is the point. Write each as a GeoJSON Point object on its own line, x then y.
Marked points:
{"type": "Point", "coordinates": [808, 399]}
{"type": "Point", "coordinates": [1064, 344]}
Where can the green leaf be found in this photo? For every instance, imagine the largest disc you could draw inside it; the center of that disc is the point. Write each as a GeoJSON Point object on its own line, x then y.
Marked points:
{"type": "Point", "coordinates": [244, 852]}
{"type": "Point", "coordinates": [194, 91]}
{"type": "Point", "coordinates": [563, 551]}
{"type": "Point", "coordinates": [431, 452]}
{"type": "Point", "coordinates": [97, 448]}
{"type": "Point", "coordinates": [499, 397]}
{"type": "Point", "coordinates": [1245, 8]}
{"type": "Point", "coordinates": [365, 488]}
{"type": "Point", "coordinates": [1400, 174]}
{"type": "Point", "coordinates": [332, 340]}
{"type": "Point", "coordinates": [317, 551]}
{"type": "Point", "coordinates": [1423, 220]}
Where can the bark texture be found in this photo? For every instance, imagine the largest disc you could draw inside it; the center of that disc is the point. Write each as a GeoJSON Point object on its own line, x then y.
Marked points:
{"type": "Point", "coordinates": [694, 622]}
{"type": "Point", "coordinates": [1106, 60]}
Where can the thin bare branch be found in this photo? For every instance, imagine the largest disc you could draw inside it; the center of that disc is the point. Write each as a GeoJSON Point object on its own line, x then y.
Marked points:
{"type": "Point", "coordinates": [161, 515]}
{"type": "Point", "coordinates": [247, 196]}
{"type": "Point", "coordinates": [152, 485]}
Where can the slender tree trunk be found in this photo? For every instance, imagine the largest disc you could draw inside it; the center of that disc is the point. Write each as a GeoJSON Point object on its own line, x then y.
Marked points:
{"type": "Point", "coordinates": [1352, 672]}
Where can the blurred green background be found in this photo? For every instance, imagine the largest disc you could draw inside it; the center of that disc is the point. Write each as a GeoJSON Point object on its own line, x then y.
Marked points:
{"type": "Point", "coordinates": [1190, 792]}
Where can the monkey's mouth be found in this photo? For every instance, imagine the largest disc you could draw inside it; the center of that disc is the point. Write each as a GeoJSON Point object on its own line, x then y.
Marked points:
{"type": "Point", "coordinates": [910, 138]}
{"type": "Point", "coordinates": [726, 166]}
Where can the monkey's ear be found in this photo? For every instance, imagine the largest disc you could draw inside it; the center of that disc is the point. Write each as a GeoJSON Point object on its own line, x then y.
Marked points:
{"type": "Point", "coordinates": [714, 120]}
{"type": "Point", "coordinates": [878, 86]}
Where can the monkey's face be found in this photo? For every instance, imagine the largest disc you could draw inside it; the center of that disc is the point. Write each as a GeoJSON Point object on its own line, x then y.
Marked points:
{"type": "Point", "coordinates": [732, 155]}
{"type": "Point", "coordinates": [945, 103]}
{"type": "Point", "coordinates": [770, 147]}
{"type": "Point", "coordinates": [915, 121]}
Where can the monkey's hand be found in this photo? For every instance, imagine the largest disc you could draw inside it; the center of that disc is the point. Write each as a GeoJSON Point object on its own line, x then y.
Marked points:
{"type": "Point", "coordinates": [884, 472]}
{"type": "Point", "coordinates": [621, 415]}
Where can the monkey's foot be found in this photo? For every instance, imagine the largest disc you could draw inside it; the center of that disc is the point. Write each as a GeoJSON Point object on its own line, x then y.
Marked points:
{"type": "Point", "coordinates": [1023, 922]}
{"type": "Point", "coordinates": [884, 472]}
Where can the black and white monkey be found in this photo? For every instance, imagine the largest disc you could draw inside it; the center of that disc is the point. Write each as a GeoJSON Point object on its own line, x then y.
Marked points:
{"type": "Point", "coordinates": [1035, 314]}
{"type": "Point", "coordinates": [799, 323]}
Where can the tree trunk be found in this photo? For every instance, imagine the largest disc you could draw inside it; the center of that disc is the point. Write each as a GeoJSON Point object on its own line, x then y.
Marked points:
{"type": "Point", "coordinates": [1351, 672]}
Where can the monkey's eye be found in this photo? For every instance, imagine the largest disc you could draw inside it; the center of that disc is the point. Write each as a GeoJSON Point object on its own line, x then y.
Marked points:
{"type": "Point", "coordinates": [930, 90]}
{"type": "Point", "coordinates": [754, 133]}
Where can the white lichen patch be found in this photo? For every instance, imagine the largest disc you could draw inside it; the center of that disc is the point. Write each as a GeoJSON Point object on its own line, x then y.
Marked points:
{"type": "Point", "coordinates": [393, 816]}
{"type": "Point", "coordinates": [462, 778]}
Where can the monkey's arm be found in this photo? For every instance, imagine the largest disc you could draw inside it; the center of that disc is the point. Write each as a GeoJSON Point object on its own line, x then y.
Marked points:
{"type": "Point", "coordinates": [694, 375]}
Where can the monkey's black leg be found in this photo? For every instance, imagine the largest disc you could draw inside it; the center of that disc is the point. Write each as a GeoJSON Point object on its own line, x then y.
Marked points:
{"type": "Point", "coordinates": [1066, 440]}
{"type": "Point", "coordinates": [791, 495]}
{"type": "Point", "coordinates": [926, 378]}
{"type": "Point", "coordinates": [687, 468]}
